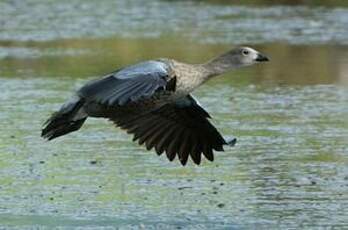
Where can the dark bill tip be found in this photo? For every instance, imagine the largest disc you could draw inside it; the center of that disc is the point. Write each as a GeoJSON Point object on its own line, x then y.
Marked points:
{"type": "Point", "coordinates": [261, 58]}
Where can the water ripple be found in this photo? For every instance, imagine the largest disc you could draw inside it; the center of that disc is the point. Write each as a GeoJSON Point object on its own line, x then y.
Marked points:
{"type": "Point", "coordinates": [230, 24]}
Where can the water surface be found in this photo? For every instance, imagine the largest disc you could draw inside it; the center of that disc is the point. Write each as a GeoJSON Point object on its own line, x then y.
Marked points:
{"type": "Point", "coordinates": [200, 21]}
{"type": "Point", "coordinates": [288, 169]}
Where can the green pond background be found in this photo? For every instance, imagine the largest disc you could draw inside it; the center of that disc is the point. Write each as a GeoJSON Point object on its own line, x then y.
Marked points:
{"type": "Point", "coordinates": [289, 169]}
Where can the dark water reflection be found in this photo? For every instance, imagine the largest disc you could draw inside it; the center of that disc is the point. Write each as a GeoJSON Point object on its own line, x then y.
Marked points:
{"type": "Point", "coordinates": [290, 65]}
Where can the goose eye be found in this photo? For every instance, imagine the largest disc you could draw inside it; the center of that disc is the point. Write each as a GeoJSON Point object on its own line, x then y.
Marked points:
{"type": "Point", "coordinates": [245, 52]}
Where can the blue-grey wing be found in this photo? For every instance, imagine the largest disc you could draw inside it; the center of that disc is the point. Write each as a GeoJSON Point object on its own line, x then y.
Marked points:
{"type": "Point", "coordinates": [130, 84]}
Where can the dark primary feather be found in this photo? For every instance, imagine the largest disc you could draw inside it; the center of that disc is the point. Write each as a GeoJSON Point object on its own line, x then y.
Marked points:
{"type": "Point", "coordinates": [62, 121]}
{"type": "Point", "coordinates": [181, 128]}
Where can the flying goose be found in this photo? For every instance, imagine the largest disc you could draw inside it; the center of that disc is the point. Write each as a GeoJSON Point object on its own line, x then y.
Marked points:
{"type": "Point", "coordinates": [152, 101]}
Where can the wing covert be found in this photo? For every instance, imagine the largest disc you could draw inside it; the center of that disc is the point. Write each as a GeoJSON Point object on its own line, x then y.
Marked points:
{"type": "Point", "coordinates": [127, 85]}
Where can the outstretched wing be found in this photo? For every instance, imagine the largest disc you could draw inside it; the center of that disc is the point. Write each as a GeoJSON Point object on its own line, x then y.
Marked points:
{"type": "Point", "coordinates": [128, 85]}
{"type": "Point", "coordinates": [181, 128]}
